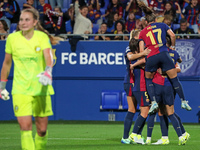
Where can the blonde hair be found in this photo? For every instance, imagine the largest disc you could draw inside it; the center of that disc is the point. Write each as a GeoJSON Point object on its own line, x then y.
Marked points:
{"type": "Point", "coordinates": [134, 33]}
{"type": "Point", "coordinates": [54, 40]}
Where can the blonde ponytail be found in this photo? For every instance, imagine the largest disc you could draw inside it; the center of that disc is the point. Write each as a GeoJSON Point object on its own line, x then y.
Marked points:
{"type": "Point", "coordinates": [134, 33]}
{"type": "Point", "coordinates": [54, 40]}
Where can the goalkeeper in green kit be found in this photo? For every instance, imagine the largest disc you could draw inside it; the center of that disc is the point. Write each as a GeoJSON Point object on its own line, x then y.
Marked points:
{"type": "Point", "coordinates": [30, 50]}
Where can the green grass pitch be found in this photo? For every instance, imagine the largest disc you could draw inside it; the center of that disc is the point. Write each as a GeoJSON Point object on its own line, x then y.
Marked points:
{"type": "Point", "coordinates": [94, 135]}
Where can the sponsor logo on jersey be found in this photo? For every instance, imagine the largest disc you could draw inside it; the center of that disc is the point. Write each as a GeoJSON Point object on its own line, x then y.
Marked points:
{"type": "Point", "coordinates": [37, 49]}
{"type": "Point", "coordinates": [185, 50]}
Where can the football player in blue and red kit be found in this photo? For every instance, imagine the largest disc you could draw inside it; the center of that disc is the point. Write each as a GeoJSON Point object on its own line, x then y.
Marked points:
{"type": "Point", "coordinates": [129, 81]}
{"type": "Point", "coordinates": [154, 38]}
{"type": "Point", "coordinates": [139, 92]}
{"type": "Point", "coordinates": [165, 95]}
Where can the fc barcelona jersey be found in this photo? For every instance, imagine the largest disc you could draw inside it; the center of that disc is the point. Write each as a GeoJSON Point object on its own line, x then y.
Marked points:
{"type": "Point", "coordinates": [154, 37]}
{"type": "Point", "coordinates": [129, 75]}
{"type": "Point", "coordinates": [138, 74]}
{"type": "Point", "coordinates": [163, 80]}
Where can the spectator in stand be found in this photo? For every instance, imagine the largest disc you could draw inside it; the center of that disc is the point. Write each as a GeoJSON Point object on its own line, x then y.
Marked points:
{"type": "Point", "coordinates": [191, 13]}
{"type": "Point", "coordinates": [133, 6]}
{"type": "Point", "coordinates": [69, 25]}
{"type": "Point", "coordinates": [94, 13]}
{"type": "Point", "coordinates": [178, 13]}
{"type": "Point", "coordinates": [130, 23]}
{"type": "Point", "coordinates": [124, 3]}
{"type": "Point", "coordinates": [141, 23]}
{"type": "Point", "coordinates": [17, 12]}
{"type": "Point", "coordinates": [1, 9]}
{"type": "Point", "coordinates": [158, 6]}
{"type": "Point", "coordinates": [53, 3]}
{"type": "Point", "coordinates": [3, 29]}
{"type": "Point", "coordinates": [102, 30]}
{"type": "Point", "coordinates": [169, 10]}
{"type": "Point", "coordinates": [44, 19]}
{"type": "Point", "coordinates": [28, 4]}
{"type": "Point", "coordinates": [120, 29]}
{"type": "Point", "coordinates": [113, 17]}
{"type": "Point", "coordinates": [168, 19]}
{"type": "Point", "coordinates": [81, 2]}
{"type": "Point", "coordinates": [82, 25]}
{"type": "Point", "coordinates": [8, 11]}
{"type": "Point", "coordinates": [138, 23]}
{"type": "Point", "coordinates": [114, 6]}
{"type": "Point", "coordinates": [198, 33]}
{"type": "Point", "coordinates": [58, 19]}
{"type": "Point", "coordinates": [184, 29]}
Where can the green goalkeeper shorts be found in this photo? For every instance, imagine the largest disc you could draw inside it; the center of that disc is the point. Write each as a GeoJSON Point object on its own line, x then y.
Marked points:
{"type": "Point", "coordinates": [36, 106]}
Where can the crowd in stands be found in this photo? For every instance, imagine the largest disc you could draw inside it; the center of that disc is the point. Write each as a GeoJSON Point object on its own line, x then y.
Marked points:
{"type": "Point", "coordinates": [103, 17]}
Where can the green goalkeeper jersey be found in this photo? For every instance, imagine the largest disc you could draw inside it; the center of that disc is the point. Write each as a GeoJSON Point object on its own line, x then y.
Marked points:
{"type": "Point", "coordinates": [28, 61]}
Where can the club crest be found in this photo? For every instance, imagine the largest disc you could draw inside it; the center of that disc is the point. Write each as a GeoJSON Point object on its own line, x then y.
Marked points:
{"type": "Point", "coordinates": [16, 108]}
{"type": "Point", "coordinates": [37, 49]}
{"type": "Point", "coordinates": [185, 50]}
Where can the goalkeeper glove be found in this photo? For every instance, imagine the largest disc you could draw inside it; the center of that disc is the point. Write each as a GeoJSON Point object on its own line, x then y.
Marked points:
{"type": "Point", "coordinates": [45, 78]}
{"type": "Point", "coordinates": [4, 94]}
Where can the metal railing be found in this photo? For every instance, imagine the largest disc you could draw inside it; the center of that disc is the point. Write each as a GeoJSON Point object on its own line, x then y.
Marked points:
{"type": "Point", "coordinates": [66, 36]}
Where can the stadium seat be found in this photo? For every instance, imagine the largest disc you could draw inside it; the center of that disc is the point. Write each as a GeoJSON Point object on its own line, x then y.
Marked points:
{"type": "Point", "coordinates": [111, 99]}
{"type": "Point", "coordinates": [175, 26]}
{"type": "Point", "coordinates": [124, 101]}
{"type": "Point", "coordinates": [103, 10]}
{"type": "Point", "coordinates": [21, 2]}
{"type": "Point", "coordinates": [64, 10]}
{"type": "Point", "coordinates": [13, 27]}
{"type": "Point", "coordinates": [66, 3]}
{"type": "Point", "coordinates": [106, 4]}
{"type": "Point", "coordinates": [95, 28]}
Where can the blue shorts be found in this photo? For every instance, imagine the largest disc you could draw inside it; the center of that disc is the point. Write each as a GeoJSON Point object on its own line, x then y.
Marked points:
{"type": "Point", "coordinates": [142, 98]}
{"type": "Point", "coordinates": [161, 60]}
{"type": "Point", "coordinates": [128, 88]}
{"type": "Point", "coordinates": [164, 94]}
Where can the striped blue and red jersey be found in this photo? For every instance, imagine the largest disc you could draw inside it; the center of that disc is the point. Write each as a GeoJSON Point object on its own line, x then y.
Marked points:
{"type": "Point", "coordinates": [163, 80]}
{"type": "Point", "coordinates": [130, 25]}
{"type": "Point", "coordinates": [138, 73]}
{"type": "Point", "coordinates": [157, 6]}
{"type": "Point", "coordinates": [191, 14]}
{"type": "Point", "coordinates": [129, 75]}
{"type": "Point", "coordinates": [154, 37]}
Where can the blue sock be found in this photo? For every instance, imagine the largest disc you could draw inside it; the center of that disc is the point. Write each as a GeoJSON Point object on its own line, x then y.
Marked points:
{"type": "Point", "coordinates": [141, 128]}
{"type": "Point", "coordinates": [150, 124]}
{"type": "Point", "coordinates": [127, 124]}
{"type": "Point", "coordinates": [178, 87]}
{"type": "Point", "coordinates": [175, 124]}
{"type": "Point", "coordinates": [150, 89]}
{"type": "Point", "coordinates": [164, 125]}
{"type": "Point", "coordinates": [138, 124]}
{"type": "Point", "coordinates": [181, 125]}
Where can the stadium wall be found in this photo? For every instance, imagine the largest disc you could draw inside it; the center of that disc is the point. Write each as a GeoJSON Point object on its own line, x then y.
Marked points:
{"type": "Point", "coordinates": [79, 78]}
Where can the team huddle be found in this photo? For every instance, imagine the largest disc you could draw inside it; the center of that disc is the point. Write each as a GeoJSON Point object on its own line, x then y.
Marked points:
{"type": "Point", "coordinates": [151, 77]}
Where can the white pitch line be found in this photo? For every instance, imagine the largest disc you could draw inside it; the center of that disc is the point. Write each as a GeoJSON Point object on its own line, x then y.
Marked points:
{"type": "Point", "coordinates": [94, 139]}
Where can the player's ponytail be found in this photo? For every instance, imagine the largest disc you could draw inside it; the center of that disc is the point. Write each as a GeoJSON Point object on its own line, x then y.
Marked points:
{"type": "Point", "coordinates": [149, 15]}
{"type": "Point", "coordinates": [54, 40]}
{"type": "Point", "coordinates": [134, 33]}
{"type": "Point", "coordinates": [134, 45]}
